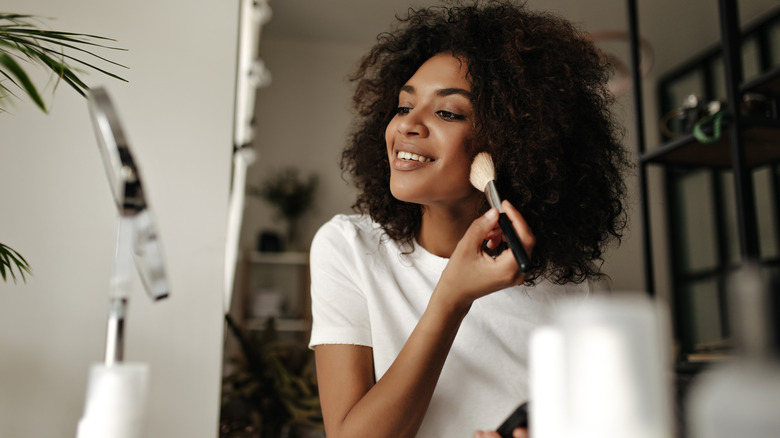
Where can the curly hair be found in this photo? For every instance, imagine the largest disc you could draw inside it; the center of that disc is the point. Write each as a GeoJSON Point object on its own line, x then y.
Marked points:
{"type": "Point", "coordinates": [542, 111]}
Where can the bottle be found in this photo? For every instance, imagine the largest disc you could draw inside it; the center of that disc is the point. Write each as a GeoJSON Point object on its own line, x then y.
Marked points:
{"type": "Point", "coordinates": [600, 371]}
{"type": "Point", "coordinates": [741, 397]}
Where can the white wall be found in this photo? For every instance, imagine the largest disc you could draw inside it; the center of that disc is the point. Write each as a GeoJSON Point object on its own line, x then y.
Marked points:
{"type": "Point", "coordinates": [57, 210]}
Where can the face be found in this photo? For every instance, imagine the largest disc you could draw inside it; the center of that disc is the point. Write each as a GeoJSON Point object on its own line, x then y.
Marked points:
{"type": "Point", "coordinates": [426, 139]}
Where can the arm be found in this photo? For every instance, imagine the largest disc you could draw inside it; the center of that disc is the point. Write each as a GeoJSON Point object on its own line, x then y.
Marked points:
{"type": "Point", "coordinates": [353, 405]}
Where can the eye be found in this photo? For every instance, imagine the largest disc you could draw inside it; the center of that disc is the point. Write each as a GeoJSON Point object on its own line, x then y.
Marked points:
{"type": "Point", "coordinates": [447, 115]}
{"type": "Point", "coordinates": [402, 110]}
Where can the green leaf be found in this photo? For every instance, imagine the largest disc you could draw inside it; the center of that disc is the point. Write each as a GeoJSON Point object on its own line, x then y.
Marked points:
{"type": "Point", "coordinates": [23, 39]}
{"type": "Point", "coordinates": [5, 90]}
{"type": "Point", "coordinates": [59, 42]}
{"type": "Point", "coordinates": [10, 258]}
{"type": "Point", "coordinates": [24, 81]}
{"type": "Point", "coordinates": [64, 73]}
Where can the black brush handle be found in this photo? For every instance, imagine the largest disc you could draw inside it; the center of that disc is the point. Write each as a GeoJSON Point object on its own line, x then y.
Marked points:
{"type": "Point", "coordinates": [514, 243]}
{"type": "Point", "coordinates": [519, 418]}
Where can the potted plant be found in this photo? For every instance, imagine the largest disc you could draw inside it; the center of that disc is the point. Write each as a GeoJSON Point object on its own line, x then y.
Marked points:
{"type": "Point", "coordinates": [22, 42]}
{"type": "Point", "coordinates": [291, 196]}
{"type": "Point", "coordinates": [272, 391]}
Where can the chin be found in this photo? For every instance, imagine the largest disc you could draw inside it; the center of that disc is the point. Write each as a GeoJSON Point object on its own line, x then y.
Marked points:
{"type": "Point", "coordinates": [403, 194]}
{"type": "Point", "coordinates": [400, 195]}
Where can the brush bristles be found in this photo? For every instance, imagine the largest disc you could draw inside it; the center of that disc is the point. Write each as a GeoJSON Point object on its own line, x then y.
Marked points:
{"type": "Point", "coordinates": [482, 171]}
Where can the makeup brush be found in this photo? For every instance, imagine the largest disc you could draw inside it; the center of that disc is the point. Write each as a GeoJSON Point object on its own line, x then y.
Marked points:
{"type": "Point", "coordinates": [483, 177]}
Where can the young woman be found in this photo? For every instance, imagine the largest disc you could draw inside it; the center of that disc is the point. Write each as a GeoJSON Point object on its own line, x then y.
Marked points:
{"type": "Point", "coordinates": [421, 321]}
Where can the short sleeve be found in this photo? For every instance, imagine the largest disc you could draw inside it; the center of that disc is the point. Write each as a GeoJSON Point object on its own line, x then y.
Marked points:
{"type": "Point", "coordinates": [339, 307]}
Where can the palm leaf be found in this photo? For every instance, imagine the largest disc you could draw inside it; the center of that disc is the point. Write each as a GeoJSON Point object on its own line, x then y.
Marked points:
{"type": "Point", "coordinates": [9, 259]}
{"type": "Point", "coordinates": [12, 69]}
{"type": "Point", "coordinates": [63, 73]}
{"type": "Point", "coordinates": [66, 55]}
{"type": "Point", "coordinates": [23, 40]}
{"type": "Point", "coordinates": [59, 39]}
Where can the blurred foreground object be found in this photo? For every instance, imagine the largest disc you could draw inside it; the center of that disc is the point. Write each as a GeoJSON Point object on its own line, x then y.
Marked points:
{"type": "Point", "coordinates": [117, 392]}
{"type": "Point", "coordinates": [741, 398]}
{"type": "Point", "coordinates": [602, 371]}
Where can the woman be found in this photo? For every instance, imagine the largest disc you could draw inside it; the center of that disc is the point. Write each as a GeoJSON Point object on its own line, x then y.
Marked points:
{"type": "Point", "coordinates": [421, 321]}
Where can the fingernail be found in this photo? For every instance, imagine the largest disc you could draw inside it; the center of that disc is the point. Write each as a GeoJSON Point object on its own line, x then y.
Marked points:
{"type": "Point", "coordinates": [491, 214]}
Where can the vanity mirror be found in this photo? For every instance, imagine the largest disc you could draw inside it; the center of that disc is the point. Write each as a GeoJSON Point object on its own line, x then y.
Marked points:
{"type": "Point", "coordinates": [300, 120]}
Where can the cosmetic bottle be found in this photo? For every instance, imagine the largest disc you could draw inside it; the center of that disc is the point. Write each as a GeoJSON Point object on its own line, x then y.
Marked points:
{"type": "Point", "coordinates": [117, 401]}
{"type": "Point", "coordinates": [741, 397]}
{"type": "Point", "coordinates": [601, 371]}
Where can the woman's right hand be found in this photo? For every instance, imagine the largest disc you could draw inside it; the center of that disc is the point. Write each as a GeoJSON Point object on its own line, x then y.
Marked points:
{"type": "Point", "coordinates": [517, 433]}
{"type": "Point", "coordinates": [472, 273]}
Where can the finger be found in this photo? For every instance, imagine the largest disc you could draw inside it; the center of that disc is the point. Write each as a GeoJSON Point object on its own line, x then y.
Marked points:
{"type": "Point", "coordinates": [486, 434]}
{"type": "Point", "coordinates": [520, 433]}
{"type": "Point", "coordinates": [493, 242]}
{"type": "Point", "coordinates": [481, 228]}
{"type": "Point", "coordinates": [521, 227]}
{"type": "Point", "coordinates": [494, 238]}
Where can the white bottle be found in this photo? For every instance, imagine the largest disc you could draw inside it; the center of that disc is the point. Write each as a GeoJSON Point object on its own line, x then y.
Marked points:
{"type": "Point", "coordinates": [116, 403]}
{"type": "Point", "coordinates": [741, 398]}
{"type": "Point", "coordinates": [601, 371]}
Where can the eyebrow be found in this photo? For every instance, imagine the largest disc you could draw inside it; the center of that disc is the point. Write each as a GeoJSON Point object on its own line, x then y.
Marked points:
{"type": "Point", "coordinates": [442, 92]}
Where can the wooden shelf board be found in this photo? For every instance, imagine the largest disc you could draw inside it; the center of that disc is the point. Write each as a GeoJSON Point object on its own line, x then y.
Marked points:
{"type": "Point", "coordinates": [282, 324]}
{"type": "Point", "coordinates": [768, 83]}
{"type": "Point", "coordinates": [761, 142]}
{"type": "Point", "coordinates": [279, 258]}
{"type": "Point", "coordinates": [761, 137]}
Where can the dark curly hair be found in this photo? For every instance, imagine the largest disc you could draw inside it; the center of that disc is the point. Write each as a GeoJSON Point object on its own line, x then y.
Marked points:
{"type": "Point", "coordinates": [542, 111]}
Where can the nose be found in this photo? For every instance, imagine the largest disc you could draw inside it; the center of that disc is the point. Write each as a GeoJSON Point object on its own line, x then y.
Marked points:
{"type": "Point", "coordinates": [412, 123]}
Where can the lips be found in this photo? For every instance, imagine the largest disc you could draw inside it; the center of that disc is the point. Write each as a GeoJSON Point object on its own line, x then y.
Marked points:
{"type": "Point", "coordinates": [409, 156]}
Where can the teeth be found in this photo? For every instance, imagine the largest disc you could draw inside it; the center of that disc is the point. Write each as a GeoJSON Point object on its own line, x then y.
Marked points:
{"type": "Point", "coordinates": [413, 157]}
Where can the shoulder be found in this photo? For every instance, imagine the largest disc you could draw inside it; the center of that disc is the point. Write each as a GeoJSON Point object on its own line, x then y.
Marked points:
{"type": "Point", "coordinates": [349, 224]}
{"type": "Point", "coordinates": [577, 290]}
{"type": "Point", "coordinates": [348, 228]}
{"type": "Point", "coordinates": [347, 234]}
{"type": "Point", "coordinates": [552, 295]}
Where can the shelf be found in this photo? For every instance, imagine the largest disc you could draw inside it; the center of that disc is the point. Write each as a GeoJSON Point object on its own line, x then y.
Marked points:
{"type": "Point", "coordinates": [767, 83]}
{"type": "Point", "coordinates": [281, 324]}
{"type": "Point", "coordinates": [731, 200]}
{"type": "Point", "coordinates": [287, 274]}
{"type": "Point", "coordinates": [760, 137]}
{"type": "Point", "coordinates": [760, 141]}
{"type": "Point", "coordinates": [279, 258]}
{"type": "Point", "coordinates": [709, 357]}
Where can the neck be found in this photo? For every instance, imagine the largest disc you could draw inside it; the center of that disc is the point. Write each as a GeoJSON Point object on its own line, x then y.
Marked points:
{"type": "Point", "coordinates": [442, 227]}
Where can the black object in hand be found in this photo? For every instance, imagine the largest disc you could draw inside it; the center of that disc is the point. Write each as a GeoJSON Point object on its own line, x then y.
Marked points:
{"type": "Point", "coordinates": [514, 243]}
{"type": "Point", "coordinates": [519, 418]}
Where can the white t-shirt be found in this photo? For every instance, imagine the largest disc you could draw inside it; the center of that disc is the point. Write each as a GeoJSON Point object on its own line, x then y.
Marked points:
{"type": "Point", "coordinates": [367, 291]}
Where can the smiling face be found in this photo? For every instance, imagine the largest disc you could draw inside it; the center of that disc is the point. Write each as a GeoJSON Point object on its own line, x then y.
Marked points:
{"type": "Point", "coordinates": [426, 139]}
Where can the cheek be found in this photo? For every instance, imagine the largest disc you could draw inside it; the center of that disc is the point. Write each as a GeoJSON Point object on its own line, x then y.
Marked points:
{"type": "Point", "coordinates": [389, 130]}
{"type": "Point", "coordinates": [460, 166]}
{"type": "Point", "coordinates": [459, 148]}
{"type": "Point", "coordinates": [459, 177]}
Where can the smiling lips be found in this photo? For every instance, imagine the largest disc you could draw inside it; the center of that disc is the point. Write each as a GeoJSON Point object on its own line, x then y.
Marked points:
{"type": "Point", "coordinates": [408, 156]}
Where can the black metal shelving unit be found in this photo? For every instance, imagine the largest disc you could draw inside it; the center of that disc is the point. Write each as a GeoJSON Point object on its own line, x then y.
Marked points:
{"type": "Point", "coordinates": [746, 142]}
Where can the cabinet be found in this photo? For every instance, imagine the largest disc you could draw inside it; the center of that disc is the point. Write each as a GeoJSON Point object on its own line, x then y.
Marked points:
{"type": "Point", "coordinates": [722, 197]}
{"type": "Point", "coordinates": [274, 285]}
